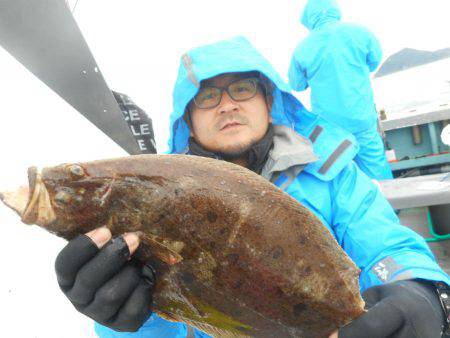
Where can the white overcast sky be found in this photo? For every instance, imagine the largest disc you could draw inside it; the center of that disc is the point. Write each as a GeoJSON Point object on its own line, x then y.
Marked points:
{"type": "Point", "coordinates": [137, 45]}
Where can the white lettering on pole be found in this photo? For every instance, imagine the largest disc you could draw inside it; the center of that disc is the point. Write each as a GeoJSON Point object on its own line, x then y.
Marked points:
{"type": "Point", "coordinates": [134, 115]}
{"type": "Point", "coordinates": [135, 133]}
{"type": "Point", "coordinates": [145, 129]}
{"type": "Point", "coordinates": [141, 144]}
{"type": "Point", "coordinates": [126, 100]}
{"type": "Point", "coordinates": [125, 115]}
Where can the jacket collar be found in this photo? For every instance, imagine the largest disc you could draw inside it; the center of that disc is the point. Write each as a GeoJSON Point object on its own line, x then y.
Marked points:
{"type": "Point", "coordinates": [289, 150]}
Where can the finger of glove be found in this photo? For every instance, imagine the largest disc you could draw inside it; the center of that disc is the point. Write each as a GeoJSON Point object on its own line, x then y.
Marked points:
{"type": "Point", "coordinates": [113, 294]}
{"type": "Point", "coordinates": [136, 310]}
{"type": "Point", "coordinates": [92, 275]}
{"type": "Point", "coordinates": [381, 321]}
{"type": "Point", "coordinates": [72, 257]}
{"type": "Point", "coordinates": [149, 273]}
{"type": "Point", "coordinates": [372, 296]}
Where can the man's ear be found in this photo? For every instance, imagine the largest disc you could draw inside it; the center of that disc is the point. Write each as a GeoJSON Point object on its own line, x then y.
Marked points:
{"type": "Point", "coordinates": [269, 102]}
{"type": "Point", "coordinates": [187, 119]}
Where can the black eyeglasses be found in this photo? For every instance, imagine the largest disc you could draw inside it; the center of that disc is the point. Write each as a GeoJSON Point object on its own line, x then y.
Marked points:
{"type": "Point", "coordinates": [239, 90]}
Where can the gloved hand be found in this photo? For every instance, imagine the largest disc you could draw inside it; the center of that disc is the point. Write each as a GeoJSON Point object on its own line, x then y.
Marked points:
{"type": "Point", "coordinates": [96, 274]}
{"type": "Point", "coordinates": [403, 309]}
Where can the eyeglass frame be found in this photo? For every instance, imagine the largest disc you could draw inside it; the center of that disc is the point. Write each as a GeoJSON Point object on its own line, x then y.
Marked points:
{"type": "Point", "coordinates": [257, 82]}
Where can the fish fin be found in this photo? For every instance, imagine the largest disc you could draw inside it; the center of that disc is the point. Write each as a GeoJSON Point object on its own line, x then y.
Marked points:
{"type": "Point", "coordinates": [167, 316]}
{"type": "Point", "coordinates": [206, 328]}
{"type": "Point", "coordinates": [216, 332]}
{"type": "Point", "coordinates": [166, 251]}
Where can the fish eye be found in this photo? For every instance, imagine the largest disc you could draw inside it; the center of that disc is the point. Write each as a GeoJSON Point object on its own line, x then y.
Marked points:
{"type": "Point", "coordinates": [62, 197]}
{"type": "Point", "coordinates": [77, 199]}
{"type": "Point", "coordinates": [76, 171]}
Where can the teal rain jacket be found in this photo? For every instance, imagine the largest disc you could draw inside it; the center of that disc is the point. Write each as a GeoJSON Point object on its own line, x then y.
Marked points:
{"type": "Point", "coordinates": [332, 187]}
{"type": "Point", "coordinates": [335, 60]}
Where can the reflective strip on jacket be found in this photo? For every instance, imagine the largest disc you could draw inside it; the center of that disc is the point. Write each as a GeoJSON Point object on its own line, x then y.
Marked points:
{"type": "Point", "coordinates": [328, 183]}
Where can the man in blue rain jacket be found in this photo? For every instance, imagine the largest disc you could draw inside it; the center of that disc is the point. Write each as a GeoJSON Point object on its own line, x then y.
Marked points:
{"type": "Point", "coordinates": [335, 61]}
{"type": "Point", "coordinates": [230, 104]}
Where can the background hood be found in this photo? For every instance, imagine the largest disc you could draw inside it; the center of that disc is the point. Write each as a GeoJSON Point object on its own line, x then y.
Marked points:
{"type": "Point", "coordinates": [318, 12]}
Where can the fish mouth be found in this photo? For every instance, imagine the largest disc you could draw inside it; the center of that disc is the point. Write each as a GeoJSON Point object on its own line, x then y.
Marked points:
{"type": "Point", "coordinates": [32, 203]}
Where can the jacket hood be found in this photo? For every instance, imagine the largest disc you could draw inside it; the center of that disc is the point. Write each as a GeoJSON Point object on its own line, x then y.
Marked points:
{"type": "Point", "coordinates": [318, 12]}
{"type": "Point", "coordinates": [227, 56]}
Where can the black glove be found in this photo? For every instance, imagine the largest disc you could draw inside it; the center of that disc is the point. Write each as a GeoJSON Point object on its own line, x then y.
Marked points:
{"type": "Point", "coordinates": [403, 309]}
{"type": "Point", "coordinates": [104, 284]}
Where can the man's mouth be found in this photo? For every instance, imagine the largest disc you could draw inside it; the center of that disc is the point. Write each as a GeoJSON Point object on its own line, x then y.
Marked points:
{"type": "Point", "coordinates": [230, 125]}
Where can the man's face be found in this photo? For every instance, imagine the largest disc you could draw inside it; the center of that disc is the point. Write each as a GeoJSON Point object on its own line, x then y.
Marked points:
{"type": "Point", "coordinates": [232, 127]}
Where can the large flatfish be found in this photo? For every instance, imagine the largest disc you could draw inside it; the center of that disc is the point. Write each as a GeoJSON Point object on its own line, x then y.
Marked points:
{"type": "Point", "coordinates": [235, 256]}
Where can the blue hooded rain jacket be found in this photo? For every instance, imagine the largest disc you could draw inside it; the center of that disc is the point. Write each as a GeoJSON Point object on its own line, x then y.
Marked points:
{"type": "Point", "coordinates": [329, 183]}
{"type": "Point", "coordinates": [335, 60]}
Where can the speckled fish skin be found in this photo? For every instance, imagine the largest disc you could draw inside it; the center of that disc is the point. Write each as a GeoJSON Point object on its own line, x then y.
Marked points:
{"type": "Point", "coordinates": [235, 256]}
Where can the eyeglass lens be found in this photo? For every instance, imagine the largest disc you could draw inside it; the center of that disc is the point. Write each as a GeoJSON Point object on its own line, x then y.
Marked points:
{"type": "Point", "coordinates": [241, 90]}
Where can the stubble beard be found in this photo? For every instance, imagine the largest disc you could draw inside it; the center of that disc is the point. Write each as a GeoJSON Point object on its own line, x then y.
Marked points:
{"type": "Point", "coordinates": [236, 151]}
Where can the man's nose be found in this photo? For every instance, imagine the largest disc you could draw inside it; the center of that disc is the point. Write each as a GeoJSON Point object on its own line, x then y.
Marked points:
{"type": "Point", "coordinates": [227, 104]}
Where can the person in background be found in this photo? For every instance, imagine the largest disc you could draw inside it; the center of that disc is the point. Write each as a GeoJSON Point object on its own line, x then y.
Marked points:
{"type": "Point", "coordinates": [335, 61]}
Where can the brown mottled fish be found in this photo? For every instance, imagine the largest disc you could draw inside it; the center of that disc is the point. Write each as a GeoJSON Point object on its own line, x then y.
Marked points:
{"type": "Point", "coordinates": [235, 256]}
